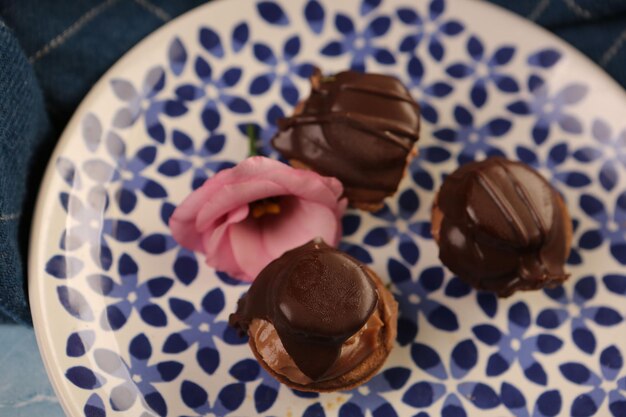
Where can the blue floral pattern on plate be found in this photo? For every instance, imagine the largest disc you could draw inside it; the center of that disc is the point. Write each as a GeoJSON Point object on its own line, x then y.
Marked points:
{"type": "Point", "coordinates": [141, 324]}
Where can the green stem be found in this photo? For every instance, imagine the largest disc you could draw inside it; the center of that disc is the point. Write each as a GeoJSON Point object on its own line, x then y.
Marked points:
{"type": "Point", "coordinates": [250, 130]}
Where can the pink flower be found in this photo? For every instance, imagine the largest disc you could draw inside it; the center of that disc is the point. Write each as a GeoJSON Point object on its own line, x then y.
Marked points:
{"type": "Point", "coordinates": [244, 217]}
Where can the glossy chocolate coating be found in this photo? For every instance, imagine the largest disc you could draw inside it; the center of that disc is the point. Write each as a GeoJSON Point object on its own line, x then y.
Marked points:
{"type": "Point", "coordinates": [504, 227]}
{"type": "Point", "coordinates": [359, 128]}
{"type": "Point", "coordinates": [316, 297]}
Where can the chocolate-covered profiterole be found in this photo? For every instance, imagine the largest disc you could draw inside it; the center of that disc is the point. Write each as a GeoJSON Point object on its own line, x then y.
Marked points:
{"type": "Point", "coordinates": [359, 128]}
{"type": "Point", "coordinates": [502, 227]}
{"type": "Point", "coordinates": [315, 315]}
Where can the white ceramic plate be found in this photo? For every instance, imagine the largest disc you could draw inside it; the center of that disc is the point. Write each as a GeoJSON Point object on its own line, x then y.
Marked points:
{"type": "Point", "coordinates": [130, 324]}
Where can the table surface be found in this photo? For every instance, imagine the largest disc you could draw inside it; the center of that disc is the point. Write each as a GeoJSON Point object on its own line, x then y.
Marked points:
{"type": "Point", "coordinates": [24, 387]}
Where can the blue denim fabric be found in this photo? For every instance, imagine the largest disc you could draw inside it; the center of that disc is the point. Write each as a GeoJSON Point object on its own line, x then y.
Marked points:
{"type": "Point", "coordinates": [52, 52]}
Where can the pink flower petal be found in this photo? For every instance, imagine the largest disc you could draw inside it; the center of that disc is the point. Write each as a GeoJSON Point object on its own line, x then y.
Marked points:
{"type": "Point", "coordinates": [218, 246]}
{"type": "Point", "coordinates": [248, 247]}
{"type": "Point", "coordinates": [184, 232]}
{"type": "Point", "coordinates": [249, 169]}
{"type": "Point", "coordinates": [232, 196]}
{"type": "Point", "coordinates": [298, 222]}
{"type": "Point", "coordinates": [215, 218]}
{"type": "Point", "coordinates": [308, 185]}
{"type": "Point", "coordinates": [257, 242]}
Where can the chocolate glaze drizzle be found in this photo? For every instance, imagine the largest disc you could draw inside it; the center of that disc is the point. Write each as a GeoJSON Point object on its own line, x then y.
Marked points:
{"type": "Point", "coordinates": [503, 227]}
{"type": "Point", "coordinates": [359, 128]}
{"type": "Point", "coordinates": [316, 297]}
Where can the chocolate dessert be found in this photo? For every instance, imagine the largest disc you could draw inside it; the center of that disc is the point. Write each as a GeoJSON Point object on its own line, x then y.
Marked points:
{"type": "Point", "coordinates": [502, 227]}
{"type": "Point", "coordinates": [318, 319]}
{"type": "Point", "coordinates": [359, 128]}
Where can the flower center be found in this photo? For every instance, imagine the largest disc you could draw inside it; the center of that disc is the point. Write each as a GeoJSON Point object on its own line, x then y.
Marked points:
{"type": "Point", "coordinates": [359, 43]}
{"type": "Point", "coordinates": [549, 108]}
{"type": "Point", "coordinates": [264, 207]}
{"type": "Point", "coordinates": [282, 68]}
{"type": "Point", "coordinates": [613, 227]}
{"type": "Point", "coordinates": [430, 27]}
{"type": "Point", "coordinates": [414, 299]}
{"type": "Point", "coordinates": [363, 390]}
{"type": "Point", "coordinates": [211, 92]}
{"type": "Point", "coordinates": [132, 297]}
{"type": "Point", "coordinates": [204, 327]}
{"type": "Point", "coordinates": [473, 137]}
{"type": "Point", "coordinates": [515, 344]}
{"type": "Point", "coordinates": [137, 379]}
{"type": "Point", "coordinates": [607, 386]}
{"type": "Point", "coordinates": [481, 71]}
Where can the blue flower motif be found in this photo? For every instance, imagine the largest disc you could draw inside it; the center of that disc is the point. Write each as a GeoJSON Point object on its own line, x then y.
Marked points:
{"type": "Point", "coordinates": [185, 266]}
{"type": "Point", "coordinates": [548, 404]}
{"type": "Point", "coordinates": [79, 343]}
{"type": "Point", "coordinates": [477, 140]}
{"type": "Point", "coordinates": [544, 58]}
{"type": "Point", "coordinates": [421, 175]}
{"type": "Point", "coordinates": [231, 396]}
{"type": "Point", "coordinates": [514, 345]}
{"type": "Point", "coordinates": [94, 406]}
{"type": "Point", "coordinates": [197, 159]}
{"type": "Point", "coordinates": [91, 226]}
{"type": "Point", "coordinates": [74, 303]}
{"type": "Point", "coordinates": [436, 90]}
{"type": "Point", "coordinates": [64, 266]}
{"type": "Point", "coordinates": [245, 372]}
{"type": "Point", "coordinates": [456, 288]}
{"type": "Point", "coordinates": [556, 158]}
{"type": "Point", "coordinates": [281, 68]}
{"type": "Point", "coordinates": [240, 36]}
{"type": "Point", "coordinates": [350, 224]}
{"type": "Point", "coordinates": [316, 409]}
{"type": "Point", "coordinates": [442, 27]}
{"type": "Point", "coordinates": [360, 44]}
{"type": "Point", "coordinates": [127, 171]}
{"type": "Point", "coordinates": [611, 152]}
{"type": "Point", "coordinates": [144, 103]}
{"type": "Point", "coordinates": [368, 396]}
{"type": "Point", "coordinates": [549, 110]}
{"type": "Point", "coordinates": [177, 56]}
{"type": "Point", "coordinates": [201, 329]}
{"type": "Point", "coordinates": [608, 383]}
{"type": "Point", "coordinates": [216, 92]}
{"type": "Point", "coordinates": [130, 294]}
{"type": "Point", "coordinates": [314, 14]}
{"type": "Point", "coordinates": [265, 133]}
{"type": "Point", "coordinates": [577, 310]}
{"type": "Point", "coordinates": [138, 375]}
{"type": "Point", "coordinates": [462, 360]}
{"type": "Point", "coordinates": [401, 225]}
{"type": "Point", "coordinates": [272, 13]}
{"type": "Point", "coordinates": [85, 378]}
{"type": "Point", "coordinates": [615, 283]}
{"type": "Point", "coordinates": [68, 172]}
{"type": "Point", "coordinates": [610, 228]}
{"type": "Point", "coordinates": [485, 70]}
{"type": "Point", "coordinates": [414, 298]}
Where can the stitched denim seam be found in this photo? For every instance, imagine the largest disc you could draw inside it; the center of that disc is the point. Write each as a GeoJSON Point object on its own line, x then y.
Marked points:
{"type": "Point", "coordinates": [71, 30]}
{"type": "Point", "coordinates": [538, 10]}
{"type": "Point", "coordinates": [613, 49]}
{"type": "Point", "coordinates": [155, 10]}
